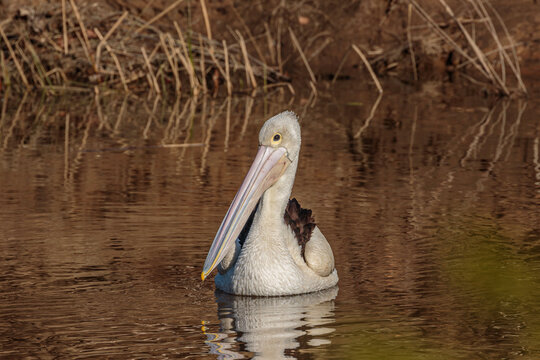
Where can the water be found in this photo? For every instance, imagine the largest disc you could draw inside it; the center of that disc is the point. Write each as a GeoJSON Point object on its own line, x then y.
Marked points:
{"type": "Point", "coordinates": [431, 208]}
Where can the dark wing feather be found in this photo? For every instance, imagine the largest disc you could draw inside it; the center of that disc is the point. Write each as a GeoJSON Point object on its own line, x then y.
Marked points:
{"type": "Point", "coordinates": [301, 223]}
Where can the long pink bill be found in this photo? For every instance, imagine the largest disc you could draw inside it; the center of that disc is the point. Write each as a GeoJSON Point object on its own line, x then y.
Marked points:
{"type": "Point", "coordinates": [268, 166]}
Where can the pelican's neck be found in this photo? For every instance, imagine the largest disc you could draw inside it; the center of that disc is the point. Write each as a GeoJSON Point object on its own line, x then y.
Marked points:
{"type": "Point", "coordinates": [266, 244]}
{"type": "Point", "coordinates": [275, 198]}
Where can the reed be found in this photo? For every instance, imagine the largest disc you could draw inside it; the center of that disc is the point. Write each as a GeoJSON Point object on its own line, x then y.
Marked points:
{"type": "Point", "coordinates": [14, 58]}
{"type": "Point", "coordinates": [270, 42]}
{"type": "Point", "coordinates": [186, 61]}
{"type": "Point", "coordinates": [56, 64]}
{"type": "Point", "coordinates": [340, 66]}
{"type": "Point", "coordinates": [250, 76]}
{"type": "Point", "coordinates": [368, 66]}
{"type": "Point", "coordinates": [491, 68]}
{"type": "Point", "coordinates": [302, 55]}
{"type": "Point", "coordinates": [37, 64]}
{"type": "Point", "coordinates": [206, 19]}
{"type": "Point", "coordinates": [203, 67]}
{"type": "Point", "coordinates": [103, 41]}
{"type": "Point", "coordinates": [158, 16]}
{"type": "Point", "coordinates": [172, 63]}
{"type": "Point", "coordinates": [5, 74]}
{"type": "Point", "coordinates": [64, 28]}
{"type": "Point", "coordinates": [84, 32]}
{"type": "Point", "coordinates": [227, 71]}
{"type": "Point", "coordinates": [409, 40]}
{"type": "Point", "coordinates": [152, 78]}
{"type": "Point", "coordinates": [81, 46]}
{"type": "Point", "coordinates": [249, 33]}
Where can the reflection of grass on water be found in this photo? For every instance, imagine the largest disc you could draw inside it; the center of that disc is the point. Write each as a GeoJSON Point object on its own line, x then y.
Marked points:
{"type": "Point", "coordinates": [114, 123]}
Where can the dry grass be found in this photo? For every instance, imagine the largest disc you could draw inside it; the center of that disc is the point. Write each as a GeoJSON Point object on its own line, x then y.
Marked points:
{"type": "Point", "coordinates": [368, 66]}
{"type": "Point", "coordinates": [130, 52]}
{"type": "Point", "coordinates": [61, 46]}
{"type": "Point", "coordinates": [474, 40]}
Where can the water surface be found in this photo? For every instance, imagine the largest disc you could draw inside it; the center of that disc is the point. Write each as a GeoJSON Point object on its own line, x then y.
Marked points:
{"type": "Point", "coordinates": [431, 207]}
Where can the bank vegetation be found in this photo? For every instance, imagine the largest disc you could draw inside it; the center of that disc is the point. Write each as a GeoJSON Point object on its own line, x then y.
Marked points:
{"type": "Point", "coordinates": [191, 47]}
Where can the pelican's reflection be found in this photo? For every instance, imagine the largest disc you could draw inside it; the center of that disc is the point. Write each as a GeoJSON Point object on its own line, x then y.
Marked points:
{"type": "Point", "coordinates": [271, 326]}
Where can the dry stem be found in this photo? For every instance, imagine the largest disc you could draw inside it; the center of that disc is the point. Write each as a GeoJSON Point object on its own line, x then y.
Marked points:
{"type": "Point", "coordinates": [368, 66]}
{"type": "Point", "coordinates": [150, 71]}
{"type": "Point", "coordinates": [249, 70]}
{"type": "Point", "coordinates": [304, 59]}
{"type": "Point", "coordinates": [64, 27]}
{"type": "Point", "coordinates": [83, 30]}
{"type": "Point", "coordinates": [409, 39]}
{"type": "Point", "coordinates": [103, 41]}
{"type": "Point", "coordinates": [227, 73]}
{"type": "Point", "coordinates": [158, 16]}
{"type": "Point", "coordinates": [206, 19]}
{"type": "Point", "coordinates": [12, 53]}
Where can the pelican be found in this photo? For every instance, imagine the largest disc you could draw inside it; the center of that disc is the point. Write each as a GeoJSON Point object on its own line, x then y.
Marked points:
{"type": "Point", "coordinates": [267, 245]}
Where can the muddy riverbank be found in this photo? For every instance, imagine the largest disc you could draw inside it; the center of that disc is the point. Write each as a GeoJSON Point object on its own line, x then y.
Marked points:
{"type": "Point", "coordinates": [223, 47]}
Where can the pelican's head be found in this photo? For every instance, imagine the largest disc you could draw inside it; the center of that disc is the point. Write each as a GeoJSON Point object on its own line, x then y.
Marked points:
{"type": "Point", "coordinates": [279, 146]}
{"type": "Point", "coordinates": [282, 131]}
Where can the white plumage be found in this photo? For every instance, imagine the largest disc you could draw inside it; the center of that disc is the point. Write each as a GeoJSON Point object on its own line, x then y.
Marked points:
{"type": "Point", "coordinates": [270, 262]}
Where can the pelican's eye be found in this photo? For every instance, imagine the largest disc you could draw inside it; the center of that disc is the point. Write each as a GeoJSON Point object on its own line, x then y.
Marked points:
{"type": "Point", "coordinates": [276, 139]}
